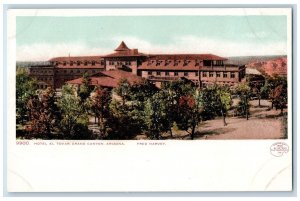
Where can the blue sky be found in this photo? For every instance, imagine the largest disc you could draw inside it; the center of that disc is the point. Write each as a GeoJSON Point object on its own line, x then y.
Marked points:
{"type": "Point", "coordinates": [40, 38]}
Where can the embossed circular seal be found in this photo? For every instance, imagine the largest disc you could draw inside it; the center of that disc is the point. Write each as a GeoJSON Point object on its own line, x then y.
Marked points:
{"type": "Point", "coordinates": [279, 148]}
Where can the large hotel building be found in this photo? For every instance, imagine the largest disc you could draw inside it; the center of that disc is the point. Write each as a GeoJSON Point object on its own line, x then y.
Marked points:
{"type": "Point", "coordinates": [203, 69]}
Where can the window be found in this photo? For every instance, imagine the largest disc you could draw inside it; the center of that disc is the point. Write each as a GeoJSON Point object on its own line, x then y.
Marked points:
{"type": "Point", "coordinates": [232, 75]}
{"type": "Point", "coordinates": [65, 71]}
{"type": "Point", "coordinates": [78, 63]}
{"type": "Point", "coordinates": [158, 73]}
{"type": "Point", "coordinates": [196, 73]}
{"type": "Point", "coordinates": [64, 63]}
{"type": "Point", "coordinates": [93, 63]}
{"type": "Point", "coordinates": [93, 71]}
{"type": "Point", "coordinates": [204, 74]}
{"type": "Point", "coordinates": [176, 63]}
{"type": "Point", "coordinates": [71, 63]}
{"type": "Point", "coordinates": [158, 63]}
{"type": "Point", "coordinates": [175, 73]}
{"type": "Point", "coordinates": [211, 74]}
{"type": "Point", "coordinates": [102, 62]}
{"type": "Point", "coordinates": [167, 73]}
{"type": "Point", "coordinates": [186, 62]}
{"type": "Point", "coordinates": [85, 63]}
{"type": "Point", "coordinates": [71, 71]}
{"type": "Point", "coordinates": [218, 74]}
{"type": "Point", "coordinates": [224, 74]}
{"type": "Point", "coordinates": [78, 71]}
{"type": "Point", "coordinates": [167, 62]}
{"type": "Point", "coordinates": [186, 74]}
{"type": "Point", "coordinates": [149, 72]}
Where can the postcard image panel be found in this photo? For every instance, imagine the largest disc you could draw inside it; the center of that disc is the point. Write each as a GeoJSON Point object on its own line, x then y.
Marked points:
{"type": "Point", "coordinates": [149, 100]}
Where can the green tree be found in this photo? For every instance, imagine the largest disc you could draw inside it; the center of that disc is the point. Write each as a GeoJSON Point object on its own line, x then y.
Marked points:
{"type": "Point", "coordinates": [74, 119]}
{"type": "Point", "coordinates": [224, 101]}
{"type": "Point", "coordinates": [123, 90]}
{"type": "Point", "coordinates": [100, 100]}
{"type": "Point", "coordinates": [84, 89]}
{"type": "Point", "coordinates": [25, 88]}
{"type": "Point", "coordinates": [258, 90]}
{"type": "Point", "coordinates": [244, 92]}
{"type": "Point", "coordinates": [123, 122]}
{"type": "Point", "coordinates": [156, 115]}
{"type": "Point", "coordinates": [280, 97]}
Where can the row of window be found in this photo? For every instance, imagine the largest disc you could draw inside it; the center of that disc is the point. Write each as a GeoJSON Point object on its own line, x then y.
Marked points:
{"type": "Point", "coordinates": [210, 74]}
{"type": "Point", "coordinates": [44, 79]}
{"type": "Point", "coordinates": [78, 63]}
{"type": "Point", "coordinates": [41, 71]}
{"type": "Point", "coordinates": [77, 71]}
{"type": "Point", "coordinates": [218, 74]}
{"type": "Point", "coordinates": [168, 73]}
{"type": "Point", "coordinates": [119, 63]}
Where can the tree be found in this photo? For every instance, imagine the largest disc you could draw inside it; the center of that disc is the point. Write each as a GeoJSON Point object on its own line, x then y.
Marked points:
{"type": "Point", "coordinates": [74, 119]}
{"type": "Point", "coordinates": [122, 122]}
{"type": "Point", "coordinates": [25, 88]}
{"type": "Point", "coordinates": [190, 108]}
{"type": "Point", "coordinates": [257, 90]}
{"type": "Point", "coordinates": [100, 100]}
{"type": "Point", "coordinates": [270, 87]}
{"type": "Point", "coordinates": [142, 91]}
{"type": "Point", "coordinates": [280, 97]}
{"type": "Point", "coordinates": [43, 114]}
{"type": "Point", "coordinates": [156, 115]}
{"type": "Point", "coordinates": [244, 92]}
{"type": "Point", "coordinates": [224, 101]}
{"type": "Point", "coordinates": [123, 90]}
{"type": "Point", "coordinates": [84, 89]}
{"type": "Point", "coordinates": [172, 92]}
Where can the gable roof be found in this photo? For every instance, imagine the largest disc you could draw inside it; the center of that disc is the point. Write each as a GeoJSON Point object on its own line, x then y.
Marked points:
{"type": "Point", "coordinates": [122, 47]}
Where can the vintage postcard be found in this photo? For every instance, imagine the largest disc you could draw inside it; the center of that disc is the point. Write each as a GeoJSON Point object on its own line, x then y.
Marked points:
{"type": "Point", "coordinates": [150, 100]}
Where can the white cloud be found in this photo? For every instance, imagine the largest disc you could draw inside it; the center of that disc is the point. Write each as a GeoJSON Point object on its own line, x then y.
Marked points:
{"type": "Point", "coordinates": [197, 45]}
{"type": "Point", "coordinates": [44, 51]}
{"type": "Point", "coordinates": [186, 44]}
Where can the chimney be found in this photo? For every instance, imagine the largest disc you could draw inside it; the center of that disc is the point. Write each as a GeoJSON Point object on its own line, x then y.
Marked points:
{"type": "Point", "coordinates": [134, 51]}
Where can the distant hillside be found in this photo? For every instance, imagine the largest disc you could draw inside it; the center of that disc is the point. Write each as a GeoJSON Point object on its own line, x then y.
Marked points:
{"type": "Point", "coordinates": [27, 64]}
{"type": "Point", "coordinates": [270, 67]}
{"type": "Point", "coordinates": [244, 60]}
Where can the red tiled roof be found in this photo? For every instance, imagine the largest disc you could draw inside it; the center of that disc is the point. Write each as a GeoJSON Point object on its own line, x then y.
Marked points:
{"type": "Point", "coordinates": [122, 47]}
{"type": "Point", "coordinates": [177, 61]}
{"type": "Point", "coordinates": [96, 66]}
{"type": "Point", "coordinates": [124, 51]}
{"type": "Point", "coordinates": [129, 53]}
{"type": "Point", "coordinates": [185, 57]}
{"type": "Point", "coordinates": [78, 58]}
{"type": "Point", "coordinates": [109, 78]}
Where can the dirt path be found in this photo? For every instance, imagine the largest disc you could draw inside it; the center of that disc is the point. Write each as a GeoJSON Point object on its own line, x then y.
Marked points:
{"type": "Point", "coordinates": [262, 124]}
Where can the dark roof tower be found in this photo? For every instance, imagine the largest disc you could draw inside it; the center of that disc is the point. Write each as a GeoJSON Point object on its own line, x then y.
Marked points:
{"type": "Point", "coordinates": [122, 47]}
